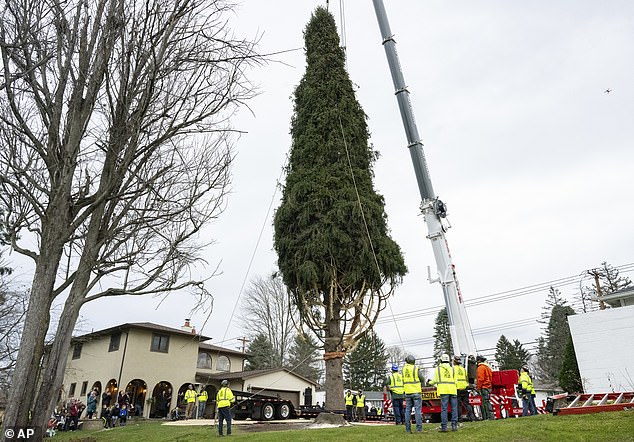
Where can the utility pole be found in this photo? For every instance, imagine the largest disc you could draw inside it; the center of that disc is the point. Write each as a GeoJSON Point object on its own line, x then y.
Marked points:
{"type": "Point", "coordinates": [595, 273]}
{"type": "Point", "coordinates": [244, 341]}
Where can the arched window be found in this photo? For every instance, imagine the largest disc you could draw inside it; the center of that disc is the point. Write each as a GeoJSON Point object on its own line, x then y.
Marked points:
{"type": "Point", "coordinates": [204, 360]}
{"type": "Point", "coordinates": [223, 364]}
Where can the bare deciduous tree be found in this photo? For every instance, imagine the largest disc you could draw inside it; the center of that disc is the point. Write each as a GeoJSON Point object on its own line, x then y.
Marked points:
{"type": "Point", "coordinates": [116, 151]}
{"type": "Point", "coordinates": [13, 303]}
{"type": "Point", "coordinates": [267, 309]}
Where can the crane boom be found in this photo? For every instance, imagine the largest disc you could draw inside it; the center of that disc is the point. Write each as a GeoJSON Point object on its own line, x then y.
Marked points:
{"type": "Point", "coordinates": [432, 208]}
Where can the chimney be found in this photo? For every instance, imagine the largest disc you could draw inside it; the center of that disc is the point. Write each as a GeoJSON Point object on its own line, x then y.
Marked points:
{"type": "Point", "coordinates": [187, 327]}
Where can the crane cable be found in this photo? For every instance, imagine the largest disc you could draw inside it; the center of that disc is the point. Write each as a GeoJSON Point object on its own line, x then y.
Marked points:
{"type": "Point", "coordinates": [365, 224]}
{"type": "Point", "coordinates": [342, 19]}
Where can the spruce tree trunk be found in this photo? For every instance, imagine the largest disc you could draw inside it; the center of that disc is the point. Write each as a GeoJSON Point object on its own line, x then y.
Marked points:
{"type": "Point", "coordinates": [334, 365]}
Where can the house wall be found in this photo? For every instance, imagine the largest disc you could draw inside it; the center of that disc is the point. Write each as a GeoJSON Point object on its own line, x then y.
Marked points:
{"type": "Point", "coordinates": [289, 386]}
{"type": "Point", "coordinates": [604, 345]}
{"type": "Point", "coordinates": [134, 360]}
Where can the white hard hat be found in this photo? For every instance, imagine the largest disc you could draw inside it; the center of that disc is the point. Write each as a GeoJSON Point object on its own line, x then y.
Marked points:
{"type": "Point", "coordinates": [444, 358]}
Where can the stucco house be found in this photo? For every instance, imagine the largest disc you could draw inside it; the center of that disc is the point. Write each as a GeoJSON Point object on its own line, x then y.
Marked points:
{"type": "Point", "coordinates": [154, 365]}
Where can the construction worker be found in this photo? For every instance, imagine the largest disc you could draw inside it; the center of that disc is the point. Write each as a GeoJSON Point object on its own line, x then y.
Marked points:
{"type": "Point", "coordinates": [190, 399]}
{"type": "Point", "coordinates": [462, 386]}
{"type": "Point", "coordinates": [472, 370]}
{"type": "Point", "coordinates": [412, 376]}
{"type": "Point", "coordinates": [394, 383]}
{"type": "Point", "coordinates": [349, 405]}
{"type": "Point", "coordinates": [527, 392]}
{"type": "Point", "coordinates": [445, 382]}
{"type": "Point", "coordinates": [202, 402]}
{"type": "Point", "coordinates": [224, 400]}
{"type": "Point", "coordinates": [361, 407]}
{"type": "Point", "coordinates": [484, 384]}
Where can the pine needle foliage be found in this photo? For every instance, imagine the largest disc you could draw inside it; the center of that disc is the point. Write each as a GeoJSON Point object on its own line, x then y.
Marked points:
{"type": "Point", "coordinates": [331, 236]}
{"type": "Point", "coordinates": [325, 253]}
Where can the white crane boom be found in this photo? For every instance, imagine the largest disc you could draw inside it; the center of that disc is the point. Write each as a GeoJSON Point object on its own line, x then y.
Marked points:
{"type": "Point", "coordinates": [432, 208]}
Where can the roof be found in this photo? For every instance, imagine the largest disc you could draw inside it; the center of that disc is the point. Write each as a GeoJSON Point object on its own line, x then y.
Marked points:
{"type": "Point", "coordinates": [215, 348]}
{"type": "Point", "coordinates": [140, 325]}
{"type": "Point", "coordinates": [248, 374]}
{"type": "Point", "coordinates": [619, 298]}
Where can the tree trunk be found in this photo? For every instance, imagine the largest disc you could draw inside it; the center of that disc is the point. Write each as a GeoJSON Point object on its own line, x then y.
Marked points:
{"type": "Point", "coordinates": [53, 370]}
{"type": "Point", "coordinates": [334, 365]}
{"type": "Point", "coordinates": [37, 319]}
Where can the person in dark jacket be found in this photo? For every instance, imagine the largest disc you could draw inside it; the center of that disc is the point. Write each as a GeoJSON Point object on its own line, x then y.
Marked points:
{"type": "Point", "coordinates": [472, 369]}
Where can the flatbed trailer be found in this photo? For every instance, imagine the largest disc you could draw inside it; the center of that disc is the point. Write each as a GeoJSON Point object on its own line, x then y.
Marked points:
{"type": "Point", "coordinates": [262, 407]}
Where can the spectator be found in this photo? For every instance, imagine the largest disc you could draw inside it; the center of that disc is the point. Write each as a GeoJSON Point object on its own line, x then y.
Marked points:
{"type": "Point", "coordinates": [91, 403]}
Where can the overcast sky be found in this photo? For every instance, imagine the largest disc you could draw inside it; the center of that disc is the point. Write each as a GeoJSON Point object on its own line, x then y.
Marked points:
{"type": "Point", "coordinates": [532, 158]}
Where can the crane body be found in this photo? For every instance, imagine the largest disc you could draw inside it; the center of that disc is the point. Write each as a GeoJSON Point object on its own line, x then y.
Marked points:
{"type": "Point", "coordinates": [432, 208]}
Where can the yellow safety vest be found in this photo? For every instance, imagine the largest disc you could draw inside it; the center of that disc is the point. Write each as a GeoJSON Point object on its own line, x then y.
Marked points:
{"type": "Point", "coordinates": [361, 401]}
{"type": "Point", "coordinates": [224, 398]}
{"type": "Point", "coordinates": [396, 383]}
{"type": "Point", "coordinates": [461, 377]}
{"type": "Point", "coordinates": [444, 379]}
{"type": "Point", "coordinates": [527, 383]}
{"type": "Point", "coordinates": [190, 396]}
{"type": "Point", "coordinates": [411, 381]}
{"type": "Point", "coordinates": [202, 397]}
{"type": "Point", "coordinates": [349, 398]}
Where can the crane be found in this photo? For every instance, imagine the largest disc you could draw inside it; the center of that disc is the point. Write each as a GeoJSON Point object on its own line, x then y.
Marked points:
{"type": "Point", "coordinates": [433, 209]}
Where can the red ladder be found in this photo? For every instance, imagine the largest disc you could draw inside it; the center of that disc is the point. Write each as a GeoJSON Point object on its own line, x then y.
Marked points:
{"type": "Point", "coordinates": [598, 402]}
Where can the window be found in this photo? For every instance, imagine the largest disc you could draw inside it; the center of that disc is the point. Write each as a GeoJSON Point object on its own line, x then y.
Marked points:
{"type": "Point", "coordinates": [204, 360]}
{"type": "Point", "coordinates": [115, 339]}
{"type": "Point", "coordinates": [160, 343]}
{"type": "Point", "coordinates": [223, 364]}
{"type": "Point", "coordinates": [71, 390]}
{"type": "Point", "coordinates": [77, 350]}
{"type": "Point", "coordinates": [84, 387]}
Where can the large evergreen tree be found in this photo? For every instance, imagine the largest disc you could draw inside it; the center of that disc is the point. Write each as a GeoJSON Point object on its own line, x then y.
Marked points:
{"type": "Point", "coordinates": [553, 343]}
{"type": "Point", "coordinates": [510, 355]}
{"type": "Point", "coordinates": [331, 236]}
{"type": "Point", "coordinates": [305, 358]}
{"type": "Point", "coordinates": [261, 354]}
{"type": "Point", "coordinates": [365, 367]}
{"type": "Point", "coordinates": [569, 376]}
{"type": "Point", "coordinates": [442, 335]}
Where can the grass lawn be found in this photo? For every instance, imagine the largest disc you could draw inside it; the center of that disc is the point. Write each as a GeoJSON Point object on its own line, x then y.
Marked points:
{"type": "Point", "coordinates": [612, 426]}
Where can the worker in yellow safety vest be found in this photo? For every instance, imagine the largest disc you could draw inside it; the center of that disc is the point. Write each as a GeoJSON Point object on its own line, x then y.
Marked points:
{"type": "Point", "coordinates": [394, 383]}
{"type": "Point", "coordinates": [445, 382]}
{"type": "Point", "coordinates": [190, 400]}
{"type": "Point", "coordinates": [412, 376]}
{"type": "Point", "coordinates": [527, 391]}
{"type": "Point", "coordinates": [224, 400]}
{"type": "Point", "coordinates": [349, 405]}
{"type": "Point", "coordinates": [202, 402]}
{"type": "Point", "coordinates": [361, 407]}
{"type": "Point", "coordinates": [462, 385]}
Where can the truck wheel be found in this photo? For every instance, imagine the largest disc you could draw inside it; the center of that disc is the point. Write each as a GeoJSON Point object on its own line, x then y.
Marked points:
{"type": "Point", "coordinates": [283, 411]}
{"type": "Point", "coordinates": [268, 412]}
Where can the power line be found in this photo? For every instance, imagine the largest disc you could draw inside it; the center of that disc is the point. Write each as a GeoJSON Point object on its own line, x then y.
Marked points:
{"type": "Point", "coordinates": [500, 296]}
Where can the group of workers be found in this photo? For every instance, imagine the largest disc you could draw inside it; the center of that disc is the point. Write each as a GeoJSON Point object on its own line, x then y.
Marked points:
{"type": "Point", "coordinates": [452, 382]}
{"type": "Point", "coordinates": [355, 406]}
{"type": "Point", "coordinates": [224, 400]}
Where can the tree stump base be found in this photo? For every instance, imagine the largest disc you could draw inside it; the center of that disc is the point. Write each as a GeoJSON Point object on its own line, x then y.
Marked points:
{"type": "Point", "coordinates": [332, 419]}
